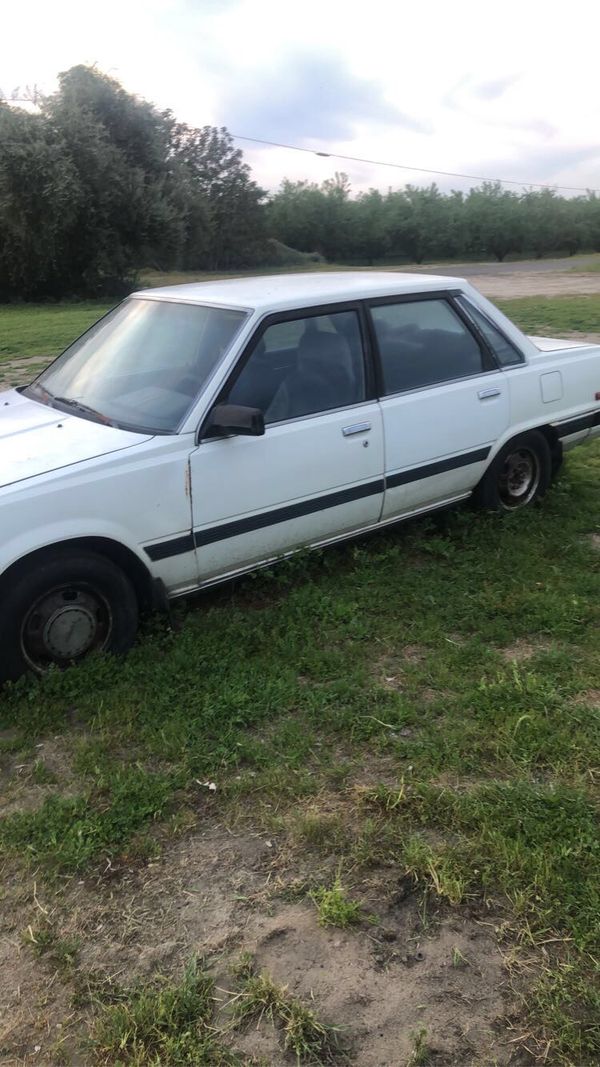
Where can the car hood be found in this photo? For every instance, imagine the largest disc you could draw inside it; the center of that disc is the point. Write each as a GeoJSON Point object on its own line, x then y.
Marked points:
{"type": "Point", "coordinates": [36, 439]}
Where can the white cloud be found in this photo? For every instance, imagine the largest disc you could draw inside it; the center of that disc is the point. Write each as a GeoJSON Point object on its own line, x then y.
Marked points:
{"type": "Point", "coordinates": [508, 90]}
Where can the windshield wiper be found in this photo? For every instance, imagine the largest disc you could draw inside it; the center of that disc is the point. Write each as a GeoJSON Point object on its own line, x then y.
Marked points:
{"type": "Point", "coordinates": [83, 408]}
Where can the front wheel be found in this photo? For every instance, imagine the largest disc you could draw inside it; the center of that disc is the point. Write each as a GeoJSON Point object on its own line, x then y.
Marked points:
{"type": "Point", "coordinates": [519, 475]}
{"type": "Point", "coordinates": [61, 608]}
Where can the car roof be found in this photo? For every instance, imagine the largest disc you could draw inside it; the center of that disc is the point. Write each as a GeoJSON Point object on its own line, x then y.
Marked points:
{"type": "Point", "coordinates": [278, 292]}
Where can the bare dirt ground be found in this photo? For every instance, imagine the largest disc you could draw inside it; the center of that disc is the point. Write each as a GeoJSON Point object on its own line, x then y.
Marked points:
{"type": "Point", "coordinates": [508, 281]}
{"type": "Point", "coordinates": [503, 286]}
{"type": "Point", "coordinates": [20, 371]}
{"type": "Point", "coordinates": [217, 894]}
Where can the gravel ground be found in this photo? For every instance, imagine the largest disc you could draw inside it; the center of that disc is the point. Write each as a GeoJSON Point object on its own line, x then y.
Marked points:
{"type": "Point", "coordinates": [507, 286]}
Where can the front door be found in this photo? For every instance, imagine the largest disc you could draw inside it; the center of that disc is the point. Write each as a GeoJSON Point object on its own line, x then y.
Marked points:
{"type": "Point", "coordinates": [317, 473]}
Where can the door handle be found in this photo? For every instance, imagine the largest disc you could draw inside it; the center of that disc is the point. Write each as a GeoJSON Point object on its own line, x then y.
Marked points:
{"type": "Point", "coordinates": [485, 394]}
{"type": "Point", "coordinates": [356, 427]}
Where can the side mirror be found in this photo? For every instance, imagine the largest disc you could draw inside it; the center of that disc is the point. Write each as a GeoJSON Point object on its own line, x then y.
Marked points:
{"type": "Point", "coordinates": [235, 419]}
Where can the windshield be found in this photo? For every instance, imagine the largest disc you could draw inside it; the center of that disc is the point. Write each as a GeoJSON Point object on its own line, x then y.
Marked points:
{"type": "Point", "coordinates": [142, 365]}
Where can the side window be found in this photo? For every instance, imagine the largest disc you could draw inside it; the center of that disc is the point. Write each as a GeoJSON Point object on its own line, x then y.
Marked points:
{"type": "Point", "coordinates": [304, 366]}
{"type": "Point", "coordinates": [423, 342]}
{"type": "Point", "coordinates": [506, 353]}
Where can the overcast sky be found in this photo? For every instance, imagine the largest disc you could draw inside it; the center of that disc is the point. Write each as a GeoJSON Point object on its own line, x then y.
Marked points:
{"type": "Point", "coordinates": [507, 89]}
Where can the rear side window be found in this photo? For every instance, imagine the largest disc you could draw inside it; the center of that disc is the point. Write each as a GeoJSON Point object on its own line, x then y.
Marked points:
{"type": "Point", "coordinates": [423, 342]}
{"type": "Point", "coordinates": [505, 352]}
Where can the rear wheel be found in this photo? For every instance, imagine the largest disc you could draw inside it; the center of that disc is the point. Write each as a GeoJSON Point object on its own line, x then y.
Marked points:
{"type": "Point", "coordinates": [519, 475]}
{"type": "Point", "coordinates": [61, 608]}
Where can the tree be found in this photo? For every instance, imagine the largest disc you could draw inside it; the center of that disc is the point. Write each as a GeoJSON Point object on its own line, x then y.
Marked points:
{"type": "Point", "coordinates": [547, 222]}
{"type": "Point", "coordinates": [420, 224]}
{"type": "Point", "coordinates": [118, 146]}
{"type": "Point", "coordinates": [590, 221]}
{"type": "Point", "coordinates": [295, 215]}
{"type": "Point", "coordinates": [371, 236]}
{"type": "Point", "coordinates": [493, 221]}
{"type": "Point", "coordinates": [223, 206]}
{"type": "Point", "coordinates": [99, 183]}
{"type": "Point", "coordinates": [39, 202]}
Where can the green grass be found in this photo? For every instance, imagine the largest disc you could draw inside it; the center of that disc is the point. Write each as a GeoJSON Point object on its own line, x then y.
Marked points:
{"type": "Point", "coordinates": [304, 1035]}
{"type": "Point", "coordinates": [69, 833]}
{"type": "Point", "coordinates": [334, 908]}
{"type": "Point", "coordinates": [44, 329]}
{"type": "Point", "coordinates": [176, 1023]}
{"type": "Point", "coordinates": [536, 844]}
{"type": "Point", "coordinates": [588, 268]}
{"type": "Point", "coordinates": [420, 1051]}
{"type": "Point", "coordinates": [160, 1024]}
{"type": "Point", "coordinates": [554, 315]}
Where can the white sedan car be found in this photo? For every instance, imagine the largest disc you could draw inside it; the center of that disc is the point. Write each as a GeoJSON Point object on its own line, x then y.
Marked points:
{"type": "Point", "coordinates": [200, 431]}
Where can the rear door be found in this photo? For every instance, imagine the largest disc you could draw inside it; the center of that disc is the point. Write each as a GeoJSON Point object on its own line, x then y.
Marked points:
{"type": "Point", "coordinates": [317, 473]}
{"type": "Point", "coordinates": [444, 401]}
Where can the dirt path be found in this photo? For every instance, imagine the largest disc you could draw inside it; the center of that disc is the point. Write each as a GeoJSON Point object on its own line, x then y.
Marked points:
{"type": "Point", "coordinates": [529, 283]}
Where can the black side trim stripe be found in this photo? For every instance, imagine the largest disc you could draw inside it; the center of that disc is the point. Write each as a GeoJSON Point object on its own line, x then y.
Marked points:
{"type": "Point", "coordinates": [175, 547]}
{"type": "Point", "coordinates": [178, 545]}
{"type": "Point", "coordinates": [292, 511]}
{"type": "Point", "coordinates": [449, 464]}
{"type": "Point", "coordinates": [583, 422]}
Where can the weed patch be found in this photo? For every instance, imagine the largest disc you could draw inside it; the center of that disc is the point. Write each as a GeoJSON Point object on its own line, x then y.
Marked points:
{"type": "Point", "coordinates": [303, 1034]}
{"type": "Point", "coordinates": [334, 907]}
{"type": "Point", "coordinates": [160, 1023]}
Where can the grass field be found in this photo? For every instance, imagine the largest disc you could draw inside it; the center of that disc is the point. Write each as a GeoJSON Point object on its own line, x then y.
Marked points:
{"type": "Point", "coordinates": [43, 329]}
{"type": "Point", "coordinates": [589, 268]}
{"type": "Point", "coordinates": [552, 316]}
{"type": "Point", "coordinates": [419, 709]}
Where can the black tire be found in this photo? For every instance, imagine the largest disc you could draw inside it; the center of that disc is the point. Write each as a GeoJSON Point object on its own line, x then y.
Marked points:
{"type": "Point", "coordinates": [60, 607]}
{"type": "Point", "coordinates": [519, 475]}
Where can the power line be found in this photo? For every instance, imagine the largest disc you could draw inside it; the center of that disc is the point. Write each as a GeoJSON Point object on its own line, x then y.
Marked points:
{"type": "Point", "coordinates": [405, 166]}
